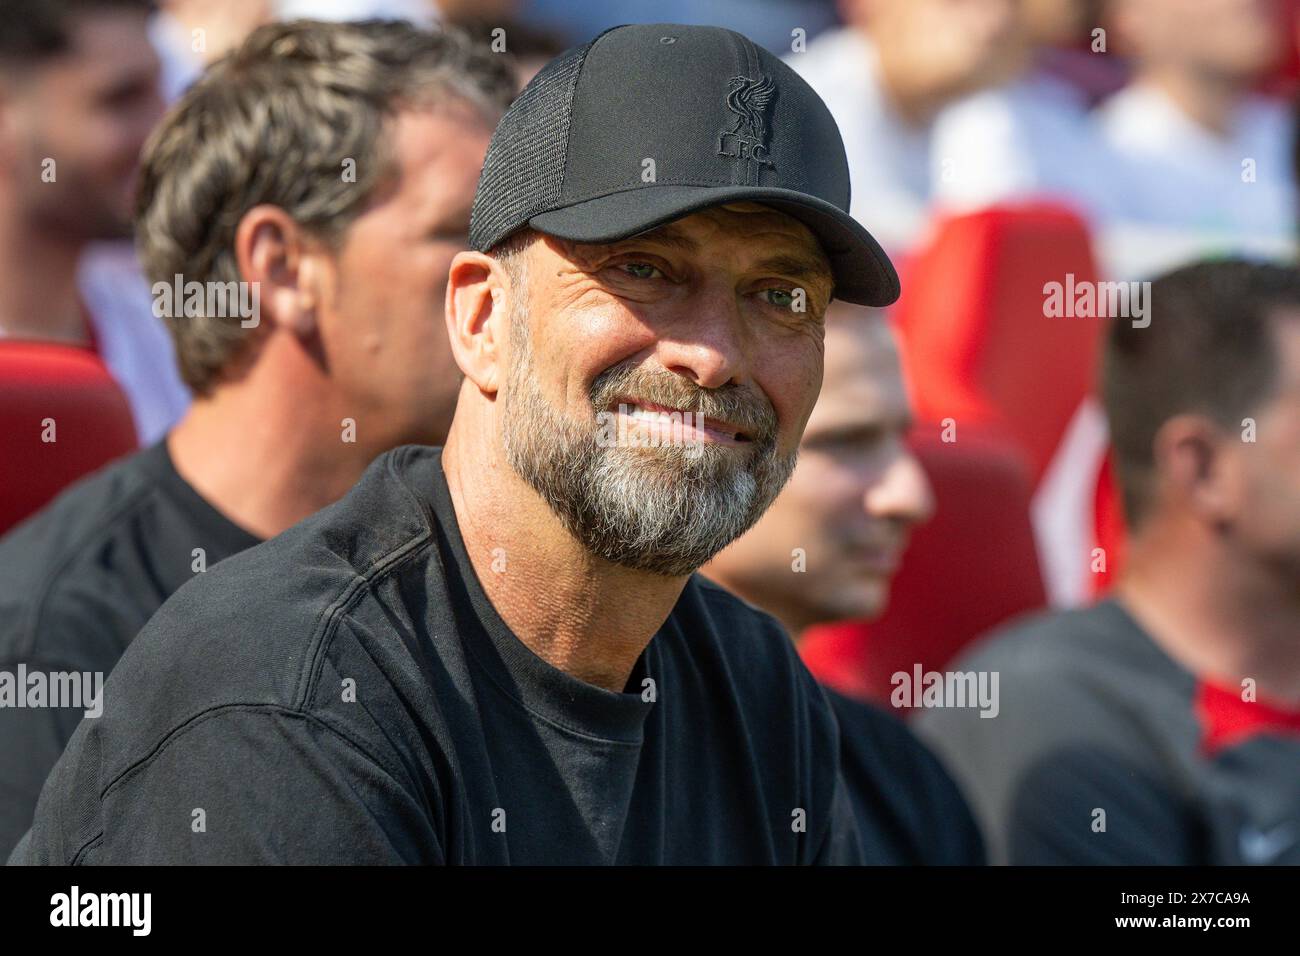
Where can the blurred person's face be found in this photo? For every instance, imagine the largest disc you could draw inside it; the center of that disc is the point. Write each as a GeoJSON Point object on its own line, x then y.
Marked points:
{"type": "Point", "coordinates": [1233, 40]}
{"type": "Point", "coordinates": [89, 110]}
{"type": "Point", "coordinates": [855, 496]}
{"type": "Point", "coordinates": [383, 328]}
{"type": "Point", "coordinates": [1058, 21]}
{"type": "Point", "coordinates": [934, 51]}
{"type": "Point", "coordinates": [694, 317]}
{"type": "Point", "coordinates": [1265, 517]}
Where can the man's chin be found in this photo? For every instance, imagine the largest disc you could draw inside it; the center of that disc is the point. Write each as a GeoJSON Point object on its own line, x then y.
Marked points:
{"type": "Point", "coordinates": [866, 599]}
{"type": "Point", "coordinates": [670, 515]}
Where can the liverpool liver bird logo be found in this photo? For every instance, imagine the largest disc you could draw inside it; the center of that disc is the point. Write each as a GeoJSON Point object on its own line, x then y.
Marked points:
{"type": "Point", "coordinates": [747, 137]}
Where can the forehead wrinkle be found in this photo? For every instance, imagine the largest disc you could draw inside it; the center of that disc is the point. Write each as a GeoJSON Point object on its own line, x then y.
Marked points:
{"type": "Point", "coordinates": [803, 267]}
{"type": "Point", "coordinates": [670, 235]}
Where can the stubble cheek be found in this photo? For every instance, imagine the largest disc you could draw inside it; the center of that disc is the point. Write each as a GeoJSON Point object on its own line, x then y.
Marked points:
{"type": "Point", "coordinates": [594, 335]}
{"type": "Point", "coordinates": [794, 399]}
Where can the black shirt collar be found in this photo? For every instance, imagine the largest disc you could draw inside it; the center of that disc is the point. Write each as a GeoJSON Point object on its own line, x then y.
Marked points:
{"type": "Point", "coordinates": [537, 685]}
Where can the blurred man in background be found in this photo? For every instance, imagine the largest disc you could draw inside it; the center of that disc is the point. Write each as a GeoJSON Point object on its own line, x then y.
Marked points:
{"type": "Point", "coordinates": [78, 96]}
{"type": "Point", "coordinates": [886, 76]}
{"type": "Point", "coordinates": [1195, 148]}
{"type": "Point", "coordinates": [342, 204]}
{"type": "Point", "coordinates": [1031, 135]}
{"type": "Point", "coordinates": [1162, 725]}
{"type": "Point", "coordinates": [845, 517]}
{"type": "Point", "coordinates": [826, 550]}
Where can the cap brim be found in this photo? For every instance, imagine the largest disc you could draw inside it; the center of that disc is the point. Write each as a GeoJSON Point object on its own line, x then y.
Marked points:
{"type": "Point", "coordinates": [863, 273]}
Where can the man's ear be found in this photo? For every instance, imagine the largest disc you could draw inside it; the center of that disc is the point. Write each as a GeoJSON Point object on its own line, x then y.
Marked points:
{"type": "Point", "coordinates": [1194, 457]}
{"type": "Point", "coordinates": [273, 251]}
{"type": "Point", "coordinates": [479, 305]}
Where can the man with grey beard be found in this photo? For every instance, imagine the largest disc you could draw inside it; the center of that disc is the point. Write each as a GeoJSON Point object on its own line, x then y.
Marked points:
{"type": "Point", "coordinates": [498, 651]}
{"type": "Point", "coordinates": [666, 513]}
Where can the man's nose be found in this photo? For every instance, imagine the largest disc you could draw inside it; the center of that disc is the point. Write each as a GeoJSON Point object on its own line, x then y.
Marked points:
{"type": "Point", "coordinates": [707, 343]}
{"type": "Point", "coordinates": [903, 492]}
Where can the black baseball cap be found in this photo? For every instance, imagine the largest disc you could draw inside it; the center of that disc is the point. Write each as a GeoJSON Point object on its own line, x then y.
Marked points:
{"type": "Point", "coordinates": [723, 121]}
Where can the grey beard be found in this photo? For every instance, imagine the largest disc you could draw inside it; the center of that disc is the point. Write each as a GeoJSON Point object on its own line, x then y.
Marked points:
{"type": "Point", "coordinates": [666, 510]}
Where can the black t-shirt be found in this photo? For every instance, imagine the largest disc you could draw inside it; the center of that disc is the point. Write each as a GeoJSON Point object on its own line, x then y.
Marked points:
{"type": "Point", "coordinates": [346, 693]}
{"type": "Point", "coordinates": [1106, 751]}
{"type": "Point", "coordinates": [78, 581]}
{"type": "Point", "coordinates": [908, 809]}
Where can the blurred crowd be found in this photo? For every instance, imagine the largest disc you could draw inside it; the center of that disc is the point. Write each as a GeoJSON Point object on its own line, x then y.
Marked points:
{"type": "Point", "coordinates": [1122, 110]}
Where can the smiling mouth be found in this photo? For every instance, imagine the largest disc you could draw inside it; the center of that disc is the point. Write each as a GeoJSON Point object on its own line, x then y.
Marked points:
{"type": "Point", "coordinates": [692, 427]}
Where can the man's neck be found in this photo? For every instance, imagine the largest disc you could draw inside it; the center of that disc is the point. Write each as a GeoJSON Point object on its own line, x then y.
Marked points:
{"type": "Point", "coordinates": [265, 454]}
{"type": "Point", "coordinates": [581, 614]}
{"type": "Point", "coordinates": [1222, 620]}
{"type": "Point", "coordinates": [38, 285]}
{"type": "Point", "coordinates": [1209, 102]}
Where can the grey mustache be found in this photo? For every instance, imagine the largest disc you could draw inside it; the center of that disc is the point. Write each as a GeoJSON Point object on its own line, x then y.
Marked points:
{"type": "Point", "coordinates": [738, 404]}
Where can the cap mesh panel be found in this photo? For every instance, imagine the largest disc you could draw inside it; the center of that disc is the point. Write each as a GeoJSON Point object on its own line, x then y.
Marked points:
{"type": "Point", "coordinates": [524, 168]}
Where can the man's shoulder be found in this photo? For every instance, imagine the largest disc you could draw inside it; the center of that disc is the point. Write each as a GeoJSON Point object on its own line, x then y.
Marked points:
{"type": "Point", "coordinates": [1062, 644]}
{"type": "Point", "coordinates": [246, 659]}
{"type": "Point", "coordinates": [743, 664]}
{"type": "Point", "coordinates": [1086, 676]}
{"type": "Point", "coordinates": [873, 726]}
{"type": "Point", "coordinates": [879, 745]}
{"type": "Point", "coordinates": [733, 642]}
{"type": "Point", "coordinates": [1061, 674]}
{"type": "Point", "coordinates": [752, 638]}
{"type": "Point", "coordinates": [57, 565]}
{"type": "Point", "coordinates": [312, 573]}
{"type": "Point", "coordinates": [1070, 688]}
{"type": "Point", "coordinates": [876, 744]}
{"type": "Point", "coordinates": [729, 603]}
{"type": "Point", "coordinates": [253, 629]}
{"type": "Point", "coordinates": [1049, 641]}
{"type": "Point", "coordinates": [900, 785]}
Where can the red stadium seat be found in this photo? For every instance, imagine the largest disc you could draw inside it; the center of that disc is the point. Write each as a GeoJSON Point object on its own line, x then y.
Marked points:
{"type": "Point", "coordinates": [1108, 526]}
{"type": "Point", "coordinates": [972, 567]}
{"type": "Point", "coordinates": [976, 344]}
{"type": "Point", "coordinates": [63, 392]}
{"type": "Point", "coordinates": [1283, 80]}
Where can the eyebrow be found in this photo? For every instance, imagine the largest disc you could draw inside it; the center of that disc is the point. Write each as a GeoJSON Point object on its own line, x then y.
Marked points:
{"type": "Point", "coordinates": [668, 235]}
{"type": "Point", "coordinates": [801, 267]}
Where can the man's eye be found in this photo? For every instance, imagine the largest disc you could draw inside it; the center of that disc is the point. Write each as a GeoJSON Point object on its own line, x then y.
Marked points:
{"type": "Point", "coordinates": [781, 298]}
{"type": "Point", "coordinates": [641, 270]}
